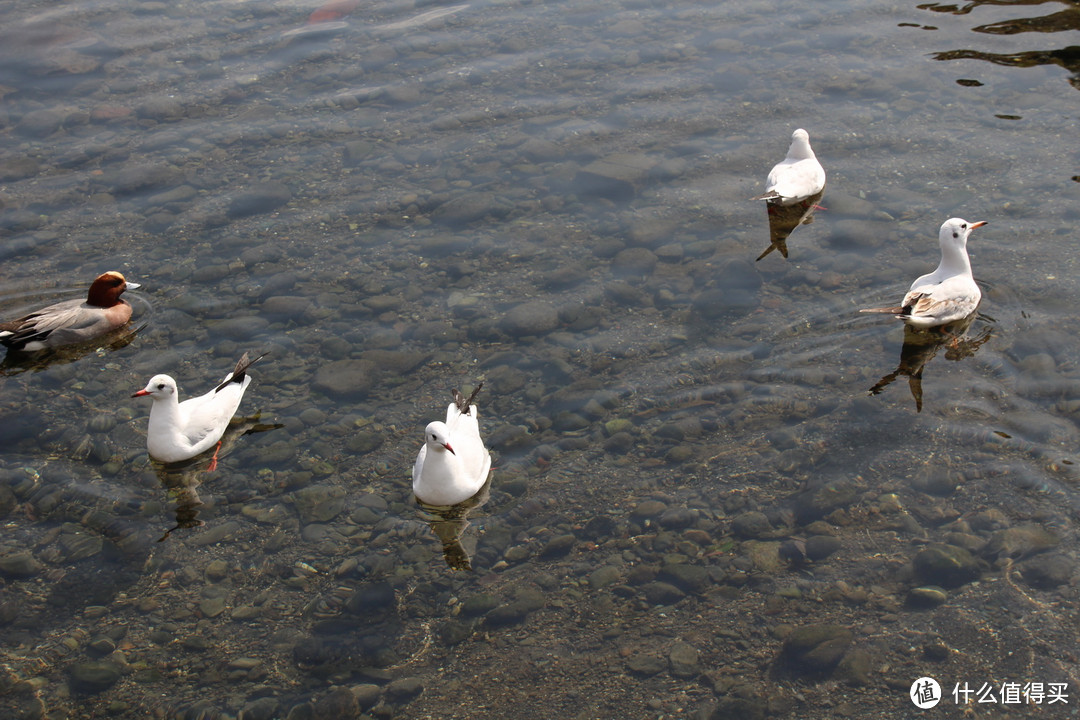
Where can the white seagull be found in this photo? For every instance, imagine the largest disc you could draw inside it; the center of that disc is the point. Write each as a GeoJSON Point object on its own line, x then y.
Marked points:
{"type": "Point", "coordinates": [181, 430]}
{"type": "Point", "coordinates": [453, 464]}
{"type": "Point", "coordinates": [947, 294]}
{"type": "Point", "coordinates": [797, 176]}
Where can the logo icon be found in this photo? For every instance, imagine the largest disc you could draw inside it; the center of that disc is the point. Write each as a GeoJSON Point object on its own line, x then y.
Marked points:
{"type": "Point", "coordinates": [925, 693]}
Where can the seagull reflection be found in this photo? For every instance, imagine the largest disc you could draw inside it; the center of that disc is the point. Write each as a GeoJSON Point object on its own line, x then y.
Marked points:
{"type": "Point", "coordinates": [783, 219]}
{"type": "Point", "coordinates": [449, 524]}
{"type": "Point", "coordinates": [181, 480]}
{"type": "Point", "coordinates": [922, 344]}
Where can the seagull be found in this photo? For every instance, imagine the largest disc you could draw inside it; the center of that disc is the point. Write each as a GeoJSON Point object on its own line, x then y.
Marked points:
{"type": "Point", "coordinates": [797, 177]}
{"type": "Point", "coordinates": [181, 430]}
{"type": "Point", "coordinates": [72, 321]}
{"type": "Point", "coordinates": [947, 294]}
{"type": "Point", "coordinates": [453, 464]}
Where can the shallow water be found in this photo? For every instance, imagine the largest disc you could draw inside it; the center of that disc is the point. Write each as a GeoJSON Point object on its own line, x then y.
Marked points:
{"type": "Point", "coordinates": [551, 198]}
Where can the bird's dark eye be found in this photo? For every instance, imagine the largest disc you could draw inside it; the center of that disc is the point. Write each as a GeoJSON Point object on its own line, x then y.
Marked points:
{"type": "Point", "coordinates": [161, 386]}
{"type": "Point", "coordinates": [963, 225]}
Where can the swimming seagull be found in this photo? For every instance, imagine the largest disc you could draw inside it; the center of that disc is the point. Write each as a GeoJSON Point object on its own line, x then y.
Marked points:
{"type": "Point", "coordinates": [797, 176]}
{"type": "Point", "coordinates": [947, 294]}
{"type": "Point", "coordinates": [453, 464]}
{"type": "Point", "coordinates": [181, 430]}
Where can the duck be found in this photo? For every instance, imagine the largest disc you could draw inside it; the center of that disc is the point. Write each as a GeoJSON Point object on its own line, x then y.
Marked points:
{"type": "Point", "coordinates": [453, 463]}
{"type": "Point", "coordinates": [949, 293]}
{"type": "Point", "coordinates": [72, 321]}
{"type": "Point", "coordinates": [179, 431]}
{"type": "Point", "coordinates": [797, 177]}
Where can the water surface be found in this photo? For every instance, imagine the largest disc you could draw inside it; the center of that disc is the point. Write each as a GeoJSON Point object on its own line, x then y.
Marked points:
{"type": "Point", "coordinates": [550, 198]}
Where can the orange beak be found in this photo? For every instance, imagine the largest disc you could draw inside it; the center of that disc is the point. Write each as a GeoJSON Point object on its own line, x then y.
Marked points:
{"type": "Point", "coordinates": [140, 393]}
{"type": "Point", "coordinates": [978, 224]}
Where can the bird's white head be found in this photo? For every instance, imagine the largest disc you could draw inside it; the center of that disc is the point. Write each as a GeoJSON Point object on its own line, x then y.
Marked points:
{"type": "Point", "coordinates": [159, 387]}
{"type": "Point", "coordinates": [800, 146]}
{"type": "Point", "coordinates": [437, 437]}
{"type": "Point", "coordinates": [954, 232]}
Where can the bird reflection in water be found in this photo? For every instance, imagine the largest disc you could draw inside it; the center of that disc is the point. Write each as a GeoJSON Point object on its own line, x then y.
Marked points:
{"type": "Point", "coordinates": [181, 480]}
{"type": "Point", "coordinates": [449, 524]}
{"type": "Point", "coordinates": [922, 344]}
{"type": "Point", "coordinates": [783, 219]}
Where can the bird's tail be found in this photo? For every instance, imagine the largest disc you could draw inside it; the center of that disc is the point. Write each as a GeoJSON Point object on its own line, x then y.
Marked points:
{"type": "Point", "coordinates": [771, 195]}
{"type": "Point", "coordinates": [237, 375]}
{"type": "Point", "coordinates": [897, 310]}
{"type": "Point", "coordinates": [463, 405]}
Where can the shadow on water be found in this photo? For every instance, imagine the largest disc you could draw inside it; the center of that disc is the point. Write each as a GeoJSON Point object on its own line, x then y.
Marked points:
{"type": "Point", "coordinates": [181, 480]}
{"type": "Point", "coordinates": [922, 344]}
{"type": "Point", "coordinates": [784, 219]}
{"type": "Point", "coordinates": [1064, 21]}
{"type": "Point", "coordinates": [450, 523]}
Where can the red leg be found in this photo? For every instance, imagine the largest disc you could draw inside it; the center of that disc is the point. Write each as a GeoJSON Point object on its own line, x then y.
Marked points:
{"type": "Point", "coordinates": [213, 461]}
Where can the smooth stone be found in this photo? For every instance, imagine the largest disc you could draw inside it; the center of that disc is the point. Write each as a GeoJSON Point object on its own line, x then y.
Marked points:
{"type": "Point", "coordinates": [338, 704]}
{"type": "Point", "coordinates": [366, 694]}
{"type": "Point", "coordinates": [265, 708]}
{"type": "Point", "coordinates": [691, 578]}
{"type": "Point", "coordinates": [245, 612]}
{"type": "Point", "coordinates": [751, 524]}
{"type": "Point", "coordinates": [854, 668]}
{"type": "Point", "coordinates": [364, 441]}
{"type": "Point", "coordinates": [40, 123]}
{"type": "Point", "coordinates": [212, 606]}
{"type": "Point", "coordinates": [479, 604]}
{"type": "Point", "coordinates": [216, 534]}
{"type": "Point", "coordinates": [647, 664]}
{"type": "Point", "coordinates": [533, 317]}
{"type": "Point", "coordinates": [662, 593]}
{"type": "Point", "coordinates": [90, 678]}
{"type": "Point", "coordinates": [79, 546]}
{"type": "Point", "coordinates": [1047, 571]}
{"type": "Point", "coordinates": [1020, 541]}
{"type": "Point", "coordinates": [738, 708]}
{"type": "Point", "coordinates": [262, 198]}
{"type": "Point", "coordinates": [404, 689]}
{"type": "Point", "coordinates": [648, 509]}
{"type": "Point", "coordinates": [684, 660]}
{"type": "Point", "coordinates": [764, 555]}
{"type": "Point", "coordinates": [558, 546]}
{"type": "Point", "coordinates": [677, 518]}
{"type": "Point", "coordinates": [19, 564]}
{"type": "Point", "coordinates": [820, 547]}
{"type": "Point", "coordinates": [615, 176]}
{"type": "Point", "coordinates": [238, 328]}
{"type": "Point", "coordinates": [353, 379]}
{"type": "Point", "coordinates": [817, 649]}
{"type": "Point", "coordinates": [161, 108]}
{"type": "Point", "coordinates": [927, 596]}
{"type": "Point", "coordinates": [636, 261]}
{"type": "Point", "coordinates": [287, 306]}
{"type": "Point", "coordinates": [604, 576]}
{"type": "Point", "coordinates": [465, 209]}
{"type": "Point", "coordinates": [217, 570]}
{"type": "Point", "coordinates": [946, 565]}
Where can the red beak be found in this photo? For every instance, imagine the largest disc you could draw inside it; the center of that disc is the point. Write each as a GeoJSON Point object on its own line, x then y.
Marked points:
{"type": "Point", "coordinates": [140, 393]}
{"type": "Point", "coordinates": [447, 446]}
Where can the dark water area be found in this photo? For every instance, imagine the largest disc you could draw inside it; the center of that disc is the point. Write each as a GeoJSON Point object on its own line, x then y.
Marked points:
{"type": "Point", "coordinates": [718, 490]}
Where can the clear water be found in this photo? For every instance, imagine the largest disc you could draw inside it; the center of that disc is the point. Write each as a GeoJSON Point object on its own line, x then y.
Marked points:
{"type": "Point", "coordinates": [379, 195]}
